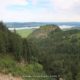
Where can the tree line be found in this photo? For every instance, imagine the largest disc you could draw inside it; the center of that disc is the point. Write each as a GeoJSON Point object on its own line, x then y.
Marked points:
{"type": "Point", "coordinates": [11, 43]}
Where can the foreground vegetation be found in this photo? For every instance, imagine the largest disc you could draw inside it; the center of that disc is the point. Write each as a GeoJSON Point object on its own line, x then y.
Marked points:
{"type": "Point", "coordinates": [8, 65]}
{"type": "Point", "coordinates": [15, 56]}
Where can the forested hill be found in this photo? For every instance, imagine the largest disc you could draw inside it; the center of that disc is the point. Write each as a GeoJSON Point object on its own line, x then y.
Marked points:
{"type": "Point", "coordinates": [43, 31]}
{"type": "Point", "coordinates": [59, 52]}
{"type": "Point", "coordinates": [11, 43]}
{"type": "Point", "coordinates": [16, 57]}
{"type": "Point", "coordinates": [47, 49]}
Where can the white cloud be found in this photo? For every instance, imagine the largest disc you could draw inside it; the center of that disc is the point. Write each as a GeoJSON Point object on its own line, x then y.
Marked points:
{"type": "Point", "coordinates": [12, 2]}
{"type": "Point", "coordinates": [61, 10]}
{"type": "Point", "coordinates": [64, 6]}
{"type": "Point", "coordinates": [4, 13]}
{"type": "Point", "coordinates": [34, 2]}
{"type": "Point", "coordinates": [66, 10]}
{"type": "Point", "coordinates": [5, 3]}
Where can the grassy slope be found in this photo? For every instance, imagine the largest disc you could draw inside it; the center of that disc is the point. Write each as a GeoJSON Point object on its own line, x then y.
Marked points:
{"type": "Point", "coordinates": [9, 65]}
{"type": "Point", "coordinates": [78, 35]}
{"type": "Point", "coordinates": [25, 32]}
{"type": "Point", "coordinates": [43, 31]}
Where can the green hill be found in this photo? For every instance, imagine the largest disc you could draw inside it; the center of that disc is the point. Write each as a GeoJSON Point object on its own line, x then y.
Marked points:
{"type": "Point", "coordinates": [16, 56]}
{"type": "Point", "coordinates": [58, 51]}
{"type": "Point", "coordinates": [43, 31]}
{"type": "Point", "coordinates": [46, 51]}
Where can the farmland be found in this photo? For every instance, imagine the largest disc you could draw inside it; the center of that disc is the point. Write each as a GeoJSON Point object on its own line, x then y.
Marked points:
{"type": "Point", "coordinates": [24, 32]}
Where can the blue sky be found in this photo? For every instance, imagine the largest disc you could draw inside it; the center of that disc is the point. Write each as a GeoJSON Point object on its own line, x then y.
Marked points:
{"type": "Point", "coordinates": [39, 10]}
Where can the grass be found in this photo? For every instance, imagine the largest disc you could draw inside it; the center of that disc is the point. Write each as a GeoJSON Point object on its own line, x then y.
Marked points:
{"type": "Point", "coordinates": [78, 34]}
{"type": "Point", "coordinates": [24, 32]}
{"type": "Point", "coordinates": [8, 65]}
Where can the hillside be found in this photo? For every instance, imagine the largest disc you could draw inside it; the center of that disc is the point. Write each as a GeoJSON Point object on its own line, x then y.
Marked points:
{"type": "Point", "coordinates": [43, 31]}
{"type": "Point", "coordinates": [24, 32]}
{"type": "Point", "coordinates": [59, 52]}
{"type": "Point", "coordinates": [16, 57]}
{"type": "Point", "coordinates": [78, 28]}
{"type": "Point", "coordinates": [46, 51]}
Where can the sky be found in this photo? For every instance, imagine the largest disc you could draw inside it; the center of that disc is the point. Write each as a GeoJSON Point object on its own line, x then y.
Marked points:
{"type": "Point", "coordinates": [40, 10]}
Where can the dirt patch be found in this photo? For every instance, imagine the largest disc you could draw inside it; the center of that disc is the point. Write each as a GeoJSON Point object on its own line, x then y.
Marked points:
{"type": "Point", "coordinates": [9, 77]}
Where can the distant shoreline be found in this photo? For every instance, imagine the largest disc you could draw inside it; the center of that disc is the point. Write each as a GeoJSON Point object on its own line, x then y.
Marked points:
{"type": "Point", "coordinates": [21, 28]}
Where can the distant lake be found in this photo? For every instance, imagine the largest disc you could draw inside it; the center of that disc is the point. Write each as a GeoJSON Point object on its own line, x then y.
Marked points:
{"type": "Point", "coordinates": [20, 28]}
{"type": "Point", "coordinates": [30, 25]}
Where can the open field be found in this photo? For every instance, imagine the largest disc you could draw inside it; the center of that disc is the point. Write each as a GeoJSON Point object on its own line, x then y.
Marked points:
{"type": "Point", "coordinates": [25, 32]}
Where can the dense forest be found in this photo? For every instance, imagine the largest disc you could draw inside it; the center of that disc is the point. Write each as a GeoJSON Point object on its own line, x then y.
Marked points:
{"type": "Point", "coordinates": [16, 56]}
{"type": "Point", "coordinates": [58, 51]}
{"type": "Point", "coordinates": [13, 44]}
{"type": "Point", "coordinates": [51, 50]}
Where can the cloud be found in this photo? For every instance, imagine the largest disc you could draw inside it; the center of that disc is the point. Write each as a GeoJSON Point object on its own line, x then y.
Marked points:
{"type": "Point", "coordinates": [5, 3]}
{"type": "Point", "coordinates": [66, 10]}
{"type": "Point", "coordinates": [40, 10]}
{"type": "Point", "coordinates": [34, 2]}
{"type": "Point", "coordinates": [66, 5]}
{"type": "Point", "coordinates": [5, 14]}
{"type": "Point", "coordinates": [13, 2]}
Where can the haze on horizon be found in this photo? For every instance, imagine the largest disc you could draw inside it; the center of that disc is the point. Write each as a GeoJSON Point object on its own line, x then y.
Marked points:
{"type": "Point", "coordinates": [40, 10]}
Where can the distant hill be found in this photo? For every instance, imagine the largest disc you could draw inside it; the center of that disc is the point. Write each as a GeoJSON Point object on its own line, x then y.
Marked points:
{"type": "Point", "coordinates": [24, 24]}
{"type": "Point", "coordinates": [59, 52]}
{"type": "Point", "coordinates": [75, 28]}
{"type": "Point", "coordinates": [33, 24]}
{"type": "Point", "coordinates": [43, 31]}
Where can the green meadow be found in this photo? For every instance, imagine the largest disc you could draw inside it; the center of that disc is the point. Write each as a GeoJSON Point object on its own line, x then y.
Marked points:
{"type": "Point", "coordinates": [24, 32]}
